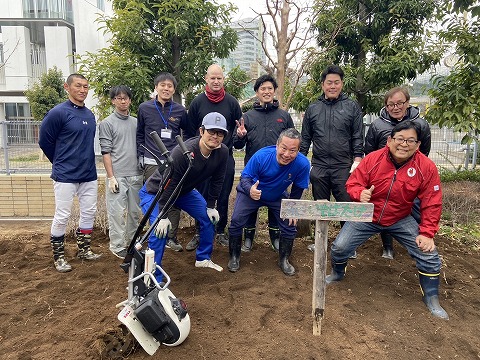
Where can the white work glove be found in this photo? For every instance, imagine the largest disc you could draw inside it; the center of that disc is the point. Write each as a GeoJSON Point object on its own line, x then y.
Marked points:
{"type": "Point", "coordinates": [141, 163]}
{"type": "Point", "coordinates": [354, 166]}
{"type": "Point", "coordinates": [162, 228]}
{"type": "Point", "coordinates": [113, 185]}
{"type": "Point", "coordinates": [213, 215]}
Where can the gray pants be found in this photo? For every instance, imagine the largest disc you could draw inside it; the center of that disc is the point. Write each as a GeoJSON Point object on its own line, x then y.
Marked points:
{"type": "Point", "coordinates": [123, 211]}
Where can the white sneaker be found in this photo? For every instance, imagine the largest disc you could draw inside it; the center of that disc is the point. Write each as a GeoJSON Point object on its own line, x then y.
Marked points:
{"type": "Point", "coordinates": [207, 263]}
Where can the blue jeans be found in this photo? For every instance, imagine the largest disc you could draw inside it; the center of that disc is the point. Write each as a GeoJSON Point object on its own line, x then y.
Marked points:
{"type": "Point", "coordinates": [245, 205]}
{"type": "Point", "coordinates": [354, 234]}
{"type": "Point", "coordinates": [194, 205]}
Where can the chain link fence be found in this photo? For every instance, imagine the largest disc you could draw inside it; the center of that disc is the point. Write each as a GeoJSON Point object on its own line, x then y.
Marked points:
{"type": "Point", "coordinates": [21, 153]}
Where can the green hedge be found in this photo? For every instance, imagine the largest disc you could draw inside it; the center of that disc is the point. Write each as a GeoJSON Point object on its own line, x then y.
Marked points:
{"type": "Point", "coordinates": [459, 175]}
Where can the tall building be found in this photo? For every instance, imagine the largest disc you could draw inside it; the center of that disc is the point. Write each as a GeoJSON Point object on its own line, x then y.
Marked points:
{"type": "Point", "coordinates": [249, 50]}
{"type": "Point", "coordinates": [36, 35]}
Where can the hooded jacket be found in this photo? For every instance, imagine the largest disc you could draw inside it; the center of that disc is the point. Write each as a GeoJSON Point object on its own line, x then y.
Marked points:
{"type": "Point", "coordinates": [336, 129]}
{"type": "Point", "coordinates": [380, 130]}
{"type": "Point", "coordinates": [264, 123]}
{"type": "Point", "coordinates": [396, 189]}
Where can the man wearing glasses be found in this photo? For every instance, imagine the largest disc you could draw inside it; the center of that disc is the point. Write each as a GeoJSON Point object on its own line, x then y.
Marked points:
{"type": "Point", "coordinates": [209, 162]}
{"type": "Point", "coordinates": [397, 108]}
{"type": "Point", "coordinates": [392, 178]}
{"type": "Point", "coordinates": [124, 178]}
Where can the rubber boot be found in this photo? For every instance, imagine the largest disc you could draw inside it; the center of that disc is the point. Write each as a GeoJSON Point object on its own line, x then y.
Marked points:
{"type": "Point", "coordinates": [338, 272]}
{"type": "Point", "coordinates": [83, 243]}
{"type": "Point", "coordinates": [284, 252]}
{"type": "Point", "coordinates": [58, 247]}
{"type": "Point", "coordinates": [429, 287]}
{"type": "Point", "coordinates": [387, 241]}
{"type": "Point", "coordinates": [274, 238]}
{"type": "Point", "coordinates": [234, 247]}
{"type": "Point", "coordinates": [248, 235]}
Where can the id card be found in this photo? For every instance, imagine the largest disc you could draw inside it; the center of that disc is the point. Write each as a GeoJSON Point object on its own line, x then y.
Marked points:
{"type": "Point", "coordinates": [166, 134]}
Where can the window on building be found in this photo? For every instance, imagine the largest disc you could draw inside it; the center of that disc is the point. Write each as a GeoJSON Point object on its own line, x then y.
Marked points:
{"type": "Point", "coordinates": [101, 4]}
{"type": "Point", "coordinates": [56, 9]}
{"type": "Point", "coordinates": [17, 111]}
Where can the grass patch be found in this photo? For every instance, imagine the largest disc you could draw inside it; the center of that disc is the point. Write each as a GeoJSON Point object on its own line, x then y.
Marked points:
{"type": "Point", "coordinates": [26, 158]}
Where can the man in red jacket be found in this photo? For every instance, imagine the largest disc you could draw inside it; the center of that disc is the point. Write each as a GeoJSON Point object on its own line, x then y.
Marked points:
{"type": "Point", "coordinates": [391, 178]}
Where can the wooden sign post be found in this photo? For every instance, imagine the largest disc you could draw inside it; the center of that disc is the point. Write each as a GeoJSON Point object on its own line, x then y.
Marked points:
{"type": "Point", "coordinates": [322, 212]}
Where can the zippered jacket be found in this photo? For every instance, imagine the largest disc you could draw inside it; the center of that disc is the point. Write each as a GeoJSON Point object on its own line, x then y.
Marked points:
{"type": "Point", "coordinates": [264, 123]}
{"type": "Point", "coordinates": [335, 127]}
{"type": "Point", "coordinates": [381, 128]}
{"type": "Point", "coordinates": [396, 189]}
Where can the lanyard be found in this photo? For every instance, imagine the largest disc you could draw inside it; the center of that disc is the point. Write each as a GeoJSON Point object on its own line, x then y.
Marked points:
{"type": "Point", "coordinates": [161, 115]}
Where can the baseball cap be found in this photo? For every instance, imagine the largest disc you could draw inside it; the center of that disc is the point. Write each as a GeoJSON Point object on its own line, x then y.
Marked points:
{"type": "Point", "coordinates": [215, 120]}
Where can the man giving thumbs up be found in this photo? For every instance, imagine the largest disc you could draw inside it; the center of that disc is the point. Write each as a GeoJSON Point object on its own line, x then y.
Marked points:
{"type": "Point", "coordinates": [392, 178]}
{"type": "Point", "coordinates": [264, 181]}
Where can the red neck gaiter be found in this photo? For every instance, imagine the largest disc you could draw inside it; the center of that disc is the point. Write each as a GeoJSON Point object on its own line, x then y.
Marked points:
{"type": "Point", "coordinates": [214, 97]}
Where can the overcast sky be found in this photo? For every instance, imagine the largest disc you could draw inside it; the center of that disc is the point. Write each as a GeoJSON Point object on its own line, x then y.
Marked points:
{"type": "Point", "coordinates": [244, 7]}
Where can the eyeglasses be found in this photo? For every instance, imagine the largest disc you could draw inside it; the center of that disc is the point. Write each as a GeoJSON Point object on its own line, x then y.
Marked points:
{"type": "Point", "coordinates": [398, 105]}
{"type": "Point", "coordinates": [122, 98]}
{"type": "Point", "coordinates": [219, 133]}
{"type": "Point", "coordinates": [400, 141]}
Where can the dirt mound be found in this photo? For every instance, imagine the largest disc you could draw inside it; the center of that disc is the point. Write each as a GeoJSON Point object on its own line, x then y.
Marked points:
{"type": "Point", "coordinates": [257, 313]}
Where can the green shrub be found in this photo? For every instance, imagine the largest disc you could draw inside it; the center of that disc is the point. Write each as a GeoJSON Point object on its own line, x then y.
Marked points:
{"type": "Point", "coordinates": [447, 175]}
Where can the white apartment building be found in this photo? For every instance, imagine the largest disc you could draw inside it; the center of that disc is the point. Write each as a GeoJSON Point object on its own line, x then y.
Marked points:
{"type": "Point", "coordinates": [249, 50]}
{"type": "Point", "coordinates": [36, 35]}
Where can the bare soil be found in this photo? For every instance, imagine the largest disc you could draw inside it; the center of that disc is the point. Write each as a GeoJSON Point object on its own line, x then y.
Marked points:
{"type": "Point", "coordinates": [257, 313]}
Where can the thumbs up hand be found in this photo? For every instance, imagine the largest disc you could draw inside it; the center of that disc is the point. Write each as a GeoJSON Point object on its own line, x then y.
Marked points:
{"type": "Point", "coordinates": [366, 194]}
{"type": "Point", "coordinates": [255, 194]}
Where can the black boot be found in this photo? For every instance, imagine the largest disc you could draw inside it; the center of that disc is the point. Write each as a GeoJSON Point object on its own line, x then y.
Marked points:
{"type": "Point", "coordinates": [249, 235]}
{"type": "Point", "coordinates": [234, 246]}
{"type": "Point", "coordinates": [274, 237]}
{"type": "Point", "coordinates": [83, 243]}
{"type": "Point", "coordinates": [338, 272]}
{"type": "Point", "coordinates": [429, 286]}
{"type": "Point", "coordinates": [387, 241]}
{"type": "Point", "coordinates": [58, 247]}
{"type": "Point", "coordinates": [284, 251]}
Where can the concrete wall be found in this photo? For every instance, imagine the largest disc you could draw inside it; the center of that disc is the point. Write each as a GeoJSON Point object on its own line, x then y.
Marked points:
{"type": "Point", "coordinates": [29, 195]}
{"type": "Point", "coordinates": [58, 48]}
{"type": "Point", "coordinates": [16, 40]}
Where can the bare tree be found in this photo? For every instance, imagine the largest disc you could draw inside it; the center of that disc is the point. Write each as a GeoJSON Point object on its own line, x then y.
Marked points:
{"type": "Point", "coordinates": [288, 25]}
{"type": "Point", "coordinates": [10, 53]}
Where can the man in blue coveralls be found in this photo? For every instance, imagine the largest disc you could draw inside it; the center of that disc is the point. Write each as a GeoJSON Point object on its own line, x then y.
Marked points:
{"type": "Point", "coordinates": [264, 181]}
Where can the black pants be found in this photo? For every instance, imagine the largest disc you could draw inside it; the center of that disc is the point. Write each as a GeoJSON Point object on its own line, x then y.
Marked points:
{"type": "Point", "coordinates": [222, 202]}
{"type": "Point", "coordinates": [329, 181]}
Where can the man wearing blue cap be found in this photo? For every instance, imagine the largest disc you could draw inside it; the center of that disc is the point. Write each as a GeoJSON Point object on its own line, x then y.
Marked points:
{"type": "Point", "coordinates": [209, 161]}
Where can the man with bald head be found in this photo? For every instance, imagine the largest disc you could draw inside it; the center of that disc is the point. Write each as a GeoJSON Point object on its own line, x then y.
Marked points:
{"type": "Point", "coordinates": [215, 99]}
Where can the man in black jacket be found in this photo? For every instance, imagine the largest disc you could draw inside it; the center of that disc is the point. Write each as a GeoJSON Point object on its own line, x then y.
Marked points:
{"type": "Point", "coordinates": [334, 124]}
{"type": "Point", "coordinates": [397, 109]}
{"type": "Point", "coordinates": [258, 128]}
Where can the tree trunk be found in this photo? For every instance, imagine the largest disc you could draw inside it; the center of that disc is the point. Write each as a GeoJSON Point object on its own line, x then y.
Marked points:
{"type": "Point", "coordinates": [282, 51]}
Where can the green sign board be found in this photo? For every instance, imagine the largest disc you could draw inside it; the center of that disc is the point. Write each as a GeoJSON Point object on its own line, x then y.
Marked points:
{"type": "Point", "coordinates": [325, 210]}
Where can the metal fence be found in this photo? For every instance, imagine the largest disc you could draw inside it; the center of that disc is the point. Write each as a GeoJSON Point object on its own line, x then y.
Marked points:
{"type": "Point", "coordinates": [21, 153]}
